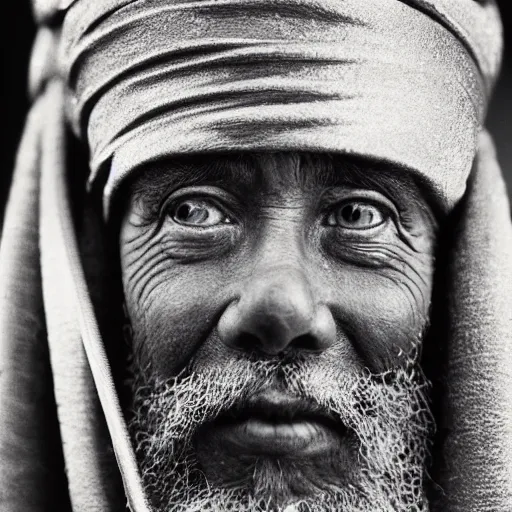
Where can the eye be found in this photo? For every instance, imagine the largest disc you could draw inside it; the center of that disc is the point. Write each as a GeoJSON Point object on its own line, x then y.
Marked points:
{"type": "Point", "coordinates": [356, 215]}
{"type": "Point", "coordinates": [198, 212]}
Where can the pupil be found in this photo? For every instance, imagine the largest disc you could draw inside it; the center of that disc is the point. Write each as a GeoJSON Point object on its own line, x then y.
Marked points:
{"type": "Point", "coordinates": [351, 214]}
{"type": "Point", "coordinates": [184, 211]}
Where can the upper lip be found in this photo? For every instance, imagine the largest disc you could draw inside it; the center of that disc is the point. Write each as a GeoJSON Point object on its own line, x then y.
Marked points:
{"type": "Point", "coordinates": [279, 407]}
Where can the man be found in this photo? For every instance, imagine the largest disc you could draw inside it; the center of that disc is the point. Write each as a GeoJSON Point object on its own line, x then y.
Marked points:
{"type": "Point", "coordinates": [296, 222]}
{"type": "Point", "coordinates": [270, 283]}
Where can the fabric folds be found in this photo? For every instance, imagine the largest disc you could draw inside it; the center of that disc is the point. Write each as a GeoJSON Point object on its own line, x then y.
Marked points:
{"type": "Point", "coordinates": [90, 417]}
{"type": "Point", "coordinates": [477, 414]}
{"type": "Point", "coordinates": [25, 414]}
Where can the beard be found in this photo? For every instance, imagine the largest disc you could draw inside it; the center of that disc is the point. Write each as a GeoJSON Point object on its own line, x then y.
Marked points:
{"type": "Point", "coordinates": [386, 415]}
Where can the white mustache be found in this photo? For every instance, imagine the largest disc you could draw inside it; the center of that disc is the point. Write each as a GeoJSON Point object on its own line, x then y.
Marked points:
{"type": "Point", "coordinates": [347, 396]}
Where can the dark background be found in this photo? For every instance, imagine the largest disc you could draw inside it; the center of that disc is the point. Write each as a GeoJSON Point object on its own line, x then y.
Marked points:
{"type": "Point", "coordinates": [18, 29]}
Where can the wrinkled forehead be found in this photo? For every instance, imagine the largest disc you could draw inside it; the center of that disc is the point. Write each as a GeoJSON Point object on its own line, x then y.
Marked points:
{"type": "Point", "coordinates": [401, 82]}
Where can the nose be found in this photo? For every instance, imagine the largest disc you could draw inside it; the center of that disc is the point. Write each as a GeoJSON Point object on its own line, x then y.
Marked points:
{"type": "Point", "coordinates": [277, 313]}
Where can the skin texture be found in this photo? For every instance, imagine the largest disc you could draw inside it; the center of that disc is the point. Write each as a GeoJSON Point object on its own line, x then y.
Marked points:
{"type": "Point", "coordinates": [274, 256]}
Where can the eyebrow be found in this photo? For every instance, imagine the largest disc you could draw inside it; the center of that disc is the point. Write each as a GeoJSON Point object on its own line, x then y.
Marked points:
{"type": "Point", "coordinates": [156, 180]}
{"type": "Point", "coordinates": [391, 180]}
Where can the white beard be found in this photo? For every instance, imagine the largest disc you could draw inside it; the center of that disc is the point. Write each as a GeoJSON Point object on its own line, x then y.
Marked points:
{"type": "Point", "coordinates": [388, 415]}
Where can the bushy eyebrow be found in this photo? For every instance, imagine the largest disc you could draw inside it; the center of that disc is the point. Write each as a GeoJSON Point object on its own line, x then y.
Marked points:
{"type": "Point", "coordinates": [156, 180]}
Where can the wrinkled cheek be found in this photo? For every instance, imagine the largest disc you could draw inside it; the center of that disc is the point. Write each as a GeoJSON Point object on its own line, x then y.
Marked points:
{"type": "Point", "coordinates": [172, 322]}
{"type": "Point", "coordinates": [384, 321]}
{"type": "Point", "coordinates": [404, 330]}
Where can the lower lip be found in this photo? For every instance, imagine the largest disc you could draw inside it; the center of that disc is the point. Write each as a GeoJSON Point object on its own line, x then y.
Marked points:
{"type": "Point", "coordinates": [261, 437]}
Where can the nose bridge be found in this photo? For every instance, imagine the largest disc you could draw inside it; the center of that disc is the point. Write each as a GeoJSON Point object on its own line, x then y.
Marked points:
{"type": "Point", "coordinates": [279, 306]}
{"type": "Point", "coordinates": [280, 295]}
{"type": "Point", "coordinates": [280, 273]}
{"type": "Point", "coordinates": [281, 230]}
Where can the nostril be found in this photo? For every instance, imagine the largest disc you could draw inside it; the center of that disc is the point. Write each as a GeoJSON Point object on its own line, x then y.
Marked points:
{"type": "Point", "coordinates": [248, 342]}
{"type": "Point", "coordinates": [251, 343]}
{"type": "Point", "coordinates": [305, 342]}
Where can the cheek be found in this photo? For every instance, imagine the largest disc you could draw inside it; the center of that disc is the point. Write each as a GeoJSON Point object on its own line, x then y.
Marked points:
{"type": "Point", "coordinates": [384, 311]}
{"type": "Point", "coordinates": [172, 306]}
{"type": "Point", "coordinates": [175, 287]}
{"type": "Point", "coordinates": [174, 317]}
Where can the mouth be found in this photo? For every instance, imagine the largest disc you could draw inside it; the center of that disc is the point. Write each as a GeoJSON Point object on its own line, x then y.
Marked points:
{"type": "Point", "coordinates": [276, 424]}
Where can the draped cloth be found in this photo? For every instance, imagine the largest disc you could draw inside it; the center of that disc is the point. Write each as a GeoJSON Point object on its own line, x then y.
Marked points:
{"type": "Point", "coordinates": [407, 82]}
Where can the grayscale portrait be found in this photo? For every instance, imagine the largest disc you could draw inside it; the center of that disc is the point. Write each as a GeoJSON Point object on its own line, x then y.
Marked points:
{"type": "Point", "coordinates": [257, 256]}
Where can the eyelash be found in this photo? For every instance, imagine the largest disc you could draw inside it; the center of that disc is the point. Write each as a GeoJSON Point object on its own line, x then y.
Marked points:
{"type": "Point", "coordinates": [170, 205]}
{"type": "Point", "coordinates": [387, 211]}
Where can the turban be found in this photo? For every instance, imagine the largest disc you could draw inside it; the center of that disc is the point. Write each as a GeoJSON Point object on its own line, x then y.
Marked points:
{"type": "Point", "coordinates": [405, 82]}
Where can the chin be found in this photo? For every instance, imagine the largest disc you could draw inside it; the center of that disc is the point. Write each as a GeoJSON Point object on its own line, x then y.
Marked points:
{"type": "Point", "coordinates": [277, 478]}
{"type": "Point", "coordinates": [281, 483]}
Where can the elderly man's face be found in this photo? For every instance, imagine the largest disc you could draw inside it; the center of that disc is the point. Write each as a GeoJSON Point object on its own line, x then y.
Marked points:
{"type": "Point", "coordinates": [277, 303]}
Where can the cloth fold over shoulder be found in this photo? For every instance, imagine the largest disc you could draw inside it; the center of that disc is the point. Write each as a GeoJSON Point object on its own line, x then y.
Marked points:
{"type": "Point", "coordinates": [477, 458]}
{"type": "Point", "coordinates": [25, 412]}
{"type": "Point", "coordinates": [83, 382]}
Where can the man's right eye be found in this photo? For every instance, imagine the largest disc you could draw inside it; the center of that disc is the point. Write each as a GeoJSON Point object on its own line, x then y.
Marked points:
{"type": "Point", "coordinates": [198, 212]}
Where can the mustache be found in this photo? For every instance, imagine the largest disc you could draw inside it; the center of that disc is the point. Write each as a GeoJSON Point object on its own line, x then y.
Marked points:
{"type": "Point", "coordinates": [233, 388]}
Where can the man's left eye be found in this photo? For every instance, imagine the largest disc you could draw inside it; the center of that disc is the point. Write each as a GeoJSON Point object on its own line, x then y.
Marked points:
{"type": "Point", "coordinates": [355, 215]}
{"type": "Point", "coordinates": [199, 213]}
